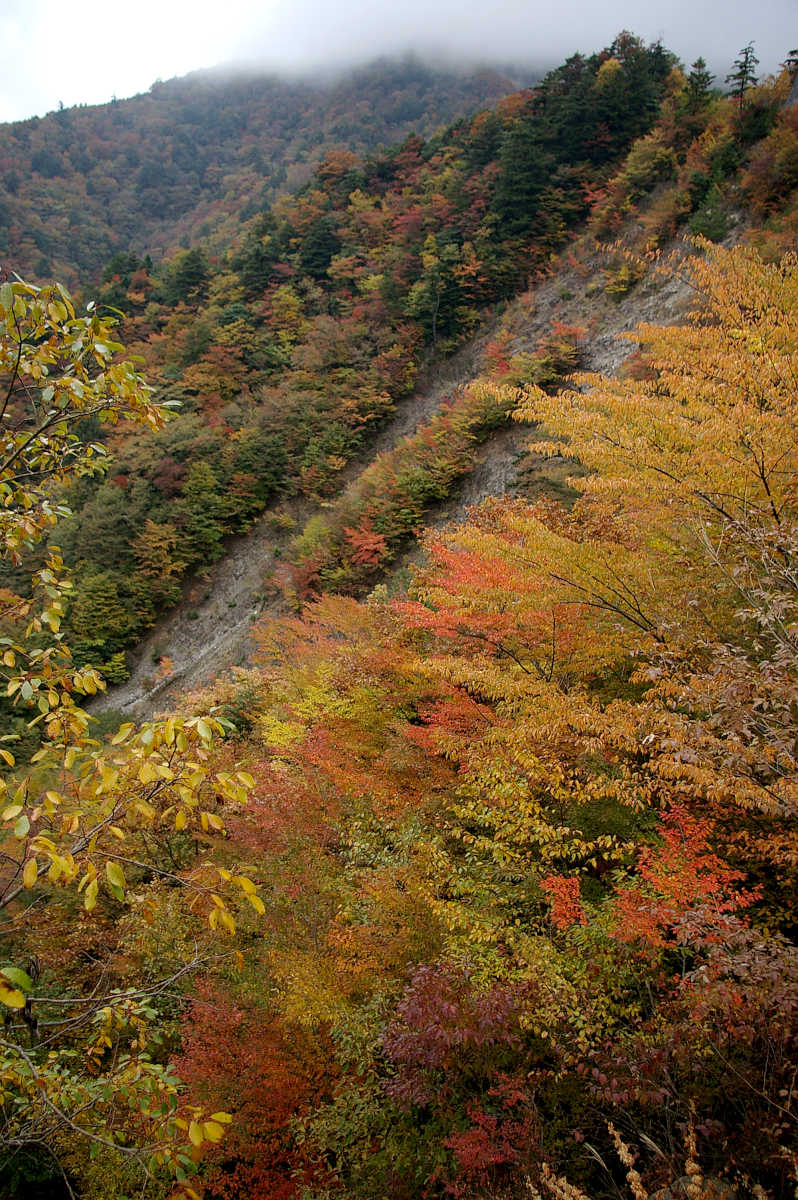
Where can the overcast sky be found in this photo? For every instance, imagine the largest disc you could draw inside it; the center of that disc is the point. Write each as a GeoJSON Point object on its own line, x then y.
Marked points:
{"type": "Point", "coordinates": [51, 51]}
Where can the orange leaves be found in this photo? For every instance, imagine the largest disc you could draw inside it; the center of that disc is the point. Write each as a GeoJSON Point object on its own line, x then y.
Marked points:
{"type": "Point", "coordinates": [563, 894]}
{"type": "Point", "coordinates": [680, 880]}
{"type": "Point", "coordinates": [517, 590]}
{"type": "Point", "coordinates": [246, 1061]}
{"type": "Point", "coordinates": [368, 546]}
{"type": "Point", "coordinates": [431, 769]}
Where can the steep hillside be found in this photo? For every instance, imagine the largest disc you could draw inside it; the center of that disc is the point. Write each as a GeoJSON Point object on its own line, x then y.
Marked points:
{"type": "Point", "coordinates": [290, 355]}
{"type": "Point", "coordinates": [194, 157]}
{"type": "Point", "coordinates": [509, 859]}
{"type": "Point", "coordinates": [210, 630]}
{"type": "Point", "coordinates": [480, 884]}
{"type": "Point", "coordinates": [571, 318]}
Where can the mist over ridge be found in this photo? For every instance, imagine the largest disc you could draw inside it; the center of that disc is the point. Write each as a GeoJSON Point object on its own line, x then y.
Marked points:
{"type": "Point", "coordinates": [47, 61]}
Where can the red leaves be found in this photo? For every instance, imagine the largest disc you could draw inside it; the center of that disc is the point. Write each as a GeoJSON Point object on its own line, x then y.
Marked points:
{"type": "Point", "coordinates": [563, 894]}
{"type": "Point", "coordinates": [497, 356]}
{"type": "Point", "coordinates": [368, 546]}
{"type": "Point", "coordinates": [451, 1042]}
{"type": "Point", "coordinates": [244, 1062]}
{"type": "Point", "coordinates": [682, 883]}
{"type": "Point", "coordinates": [490, 1143]}
{"type": "Point", "coordinates": [445, 1028]}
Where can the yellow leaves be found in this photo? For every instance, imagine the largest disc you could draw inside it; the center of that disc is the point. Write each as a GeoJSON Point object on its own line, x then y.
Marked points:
{"type": "Point", "coordinates": [57, 311]}
{"type": "Point", "coordinates": [712, 420]}
{"type": "Point", "coordinates": [115, 876]}
{"type": "Point", "coordinates": [132, 785]}
{"type": "Point", "coordinates": [201, 1129]}
{"type": "Point", "coordinates": [280, 734]}
{"type": "Point", "coordinates": [230, 788]}
{"type": "Point", "coordinates": [209, 820]}
{"type": "Point", "coordinates": [311, 986]}
{"type": "Point", "coordinates": [10, 996]}
{"type": "Point", "coordinates": [147, 772]}
{"type": "Point", "coordinates": [88, 681]}
{"type": "Point", "coordinates": [213, 1131]}
{"type": "Point", "coordinates": [607, 73]}
{"type": "Point", "coordinates": [90, 899]}
{"type": "Point", "coordinates": [195, 1134]}
{"type": "Point", "coordinates": [109, 778]}
{"type": "Point", "coordinates": [220, 916]}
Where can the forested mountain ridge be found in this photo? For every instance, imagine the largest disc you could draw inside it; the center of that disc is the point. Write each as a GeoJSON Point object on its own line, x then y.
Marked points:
{"type": "Point", "coordinates": [193, 157]}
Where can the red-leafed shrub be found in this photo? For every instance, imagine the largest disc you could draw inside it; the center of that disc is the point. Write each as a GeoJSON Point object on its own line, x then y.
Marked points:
{"type": "Point", "coordinates": [242, 1060]}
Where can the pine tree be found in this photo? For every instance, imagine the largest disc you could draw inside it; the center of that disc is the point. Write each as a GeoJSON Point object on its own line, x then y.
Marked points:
{"type": "Point", "coordinates": [790, 64]}
{"type": "Point", "coordinates": [743, 76]}
{"type": "Point", "coordinates": [699, 82]}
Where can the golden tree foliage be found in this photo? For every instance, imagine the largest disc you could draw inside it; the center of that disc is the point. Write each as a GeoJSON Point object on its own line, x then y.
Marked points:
{"type": "Point", "coordinates": [710, 436]}
{"type": "Point", "coordinates": [555, 786]}
{"type": "Point", "coordinates": [87, 828]}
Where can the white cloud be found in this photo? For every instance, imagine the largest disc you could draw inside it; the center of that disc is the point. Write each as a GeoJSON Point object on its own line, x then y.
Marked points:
{"type": "Point", "coordinates": [51, 52]}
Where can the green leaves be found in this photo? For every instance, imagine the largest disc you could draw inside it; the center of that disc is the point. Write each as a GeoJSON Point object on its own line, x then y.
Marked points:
{"type": "Point", "coordinates": [116, 879]}
{"type": "Point", "coordinates": [19, 978]}
{"type": "Point", "coordinates": [46, 354]}
{"type": "Point", "coordinates": [14, 983]}
{"type": "Point", "coordinates": [83, 813]}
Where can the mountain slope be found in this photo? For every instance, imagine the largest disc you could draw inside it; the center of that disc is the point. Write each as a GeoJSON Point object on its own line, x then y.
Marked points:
{"type": "Point", "coordinates": [210, 630]}
{"type": "Point", "coordinates": [509, 856]}
{"type": "Point", "coordinates": [597, 295]}
{"type": "Point", "coordinates": [193, 157]}
{"type": "Point", "coordinates": [289, 355]}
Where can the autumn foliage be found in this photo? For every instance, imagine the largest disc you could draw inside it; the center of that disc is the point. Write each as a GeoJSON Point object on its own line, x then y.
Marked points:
{"type": "Point", "coordinates": [528, 833]}
{"type": "Point", "coordinates": [510, 855]}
